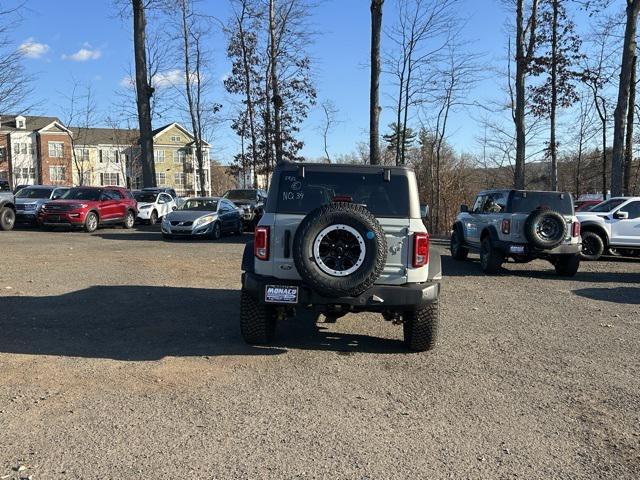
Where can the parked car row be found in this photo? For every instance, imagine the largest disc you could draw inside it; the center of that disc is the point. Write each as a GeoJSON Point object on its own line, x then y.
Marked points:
{"type": "Point", "coordinates": [89, 208]}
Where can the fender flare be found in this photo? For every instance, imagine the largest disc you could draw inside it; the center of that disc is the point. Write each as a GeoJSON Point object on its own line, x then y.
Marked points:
{"type": "Point", "coordinates": [492, 232]}
{"type": "Point", "coordinates": [9, 204]}
{"type": "Point", "coordinates": [590, 226]}
{"type": "Point", "coordinates": [248, 264]}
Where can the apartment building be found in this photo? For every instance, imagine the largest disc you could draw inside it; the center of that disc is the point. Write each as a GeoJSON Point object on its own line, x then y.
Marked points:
{"type": "Point", "coordinates": [175, 161]}
{"type": "Point", "coordinates": [35, 149]}
{"type": "Point", "coordinates": [104, 156]}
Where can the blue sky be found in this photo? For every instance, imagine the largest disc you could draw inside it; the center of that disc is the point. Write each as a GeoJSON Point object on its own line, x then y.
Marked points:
{"type": "Point", "coordinates": [87, 41]}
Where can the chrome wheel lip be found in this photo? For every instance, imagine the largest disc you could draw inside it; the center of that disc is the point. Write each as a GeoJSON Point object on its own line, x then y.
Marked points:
{"type": "Point", "coordinates": [319, 260]}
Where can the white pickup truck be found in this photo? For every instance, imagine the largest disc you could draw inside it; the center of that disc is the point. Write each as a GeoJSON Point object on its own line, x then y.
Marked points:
{"type": "Point", "coordinates": [613, 225]}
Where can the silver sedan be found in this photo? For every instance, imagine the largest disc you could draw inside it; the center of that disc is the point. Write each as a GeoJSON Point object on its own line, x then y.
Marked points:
{"type": "Point", "coordinates": [202, 217]}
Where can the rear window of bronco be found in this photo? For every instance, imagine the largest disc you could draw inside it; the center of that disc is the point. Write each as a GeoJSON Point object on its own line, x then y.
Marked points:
{"type": "Point", "coordinates": [527, 202]}
{"type": "Point", "coordinates": [384, 199]}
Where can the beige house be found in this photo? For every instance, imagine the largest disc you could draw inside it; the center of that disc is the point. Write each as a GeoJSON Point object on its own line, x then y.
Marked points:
{"type": "Point", "coordinates": [103, 156]}
{"type": "Point", "coordinates": [175, 161]}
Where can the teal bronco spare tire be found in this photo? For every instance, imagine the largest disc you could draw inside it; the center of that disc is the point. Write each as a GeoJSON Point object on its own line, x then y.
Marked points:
{"type": "Point", "coordinates": [340, 249]}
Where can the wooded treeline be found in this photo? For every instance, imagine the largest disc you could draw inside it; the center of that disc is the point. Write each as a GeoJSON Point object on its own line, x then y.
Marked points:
{"type": "Point", "coordinates": [556, 110]}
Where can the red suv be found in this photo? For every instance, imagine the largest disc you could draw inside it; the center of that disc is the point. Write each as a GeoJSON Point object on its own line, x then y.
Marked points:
{"type": "Point", "coordinates": [89, 207]}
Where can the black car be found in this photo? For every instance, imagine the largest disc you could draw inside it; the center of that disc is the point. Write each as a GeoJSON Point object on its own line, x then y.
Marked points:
{"type": "Point", "coordinates": [251, 201]}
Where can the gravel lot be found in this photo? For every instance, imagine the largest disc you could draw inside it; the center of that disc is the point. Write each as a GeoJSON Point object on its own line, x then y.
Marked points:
{"type": "Point", "coordinates": [120, 357]}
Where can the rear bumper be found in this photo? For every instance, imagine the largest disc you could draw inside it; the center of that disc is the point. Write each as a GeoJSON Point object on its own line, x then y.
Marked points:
{"type": "Point", "coordinates": [510, 248]}
{"type": "Point", "coordinates": [377, 298]}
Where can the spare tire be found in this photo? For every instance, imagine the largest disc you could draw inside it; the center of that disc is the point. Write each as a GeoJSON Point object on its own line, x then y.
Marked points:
{"type": "Point", "coordinates": [545, 228]}
{"type": "Point", "coordinates": [340, 249]}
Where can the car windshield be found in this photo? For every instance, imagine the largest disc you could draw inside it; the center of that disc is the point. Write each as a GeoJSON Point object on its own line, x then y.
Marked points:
{"type": "Point", "coordinates": [92, 194]}
{"type": "Point", "coordinates": [240, 195]}
{"type": "Point", "coordinates": [34, 193]}
{"type": "Point", "coordinates": [145, 197]}
{"type": "Point", "coordinates": [204, 204]}
{"type": "Point", "coordinates": [384, 199]}
{"type": "Point", "coordinates": [527, 202]}
{"type": "Point", "coordinates": [607, 206]}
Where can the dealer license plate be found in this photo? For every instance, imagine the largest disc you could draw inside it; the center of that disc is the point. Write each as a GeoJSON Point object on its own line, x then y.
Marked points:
{"type": "Point", "coordinates": [280, 294]}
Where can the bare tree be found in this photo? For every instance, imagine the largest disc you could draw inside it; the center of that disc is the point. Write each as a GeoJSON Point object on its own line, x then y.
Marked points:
{"type": "Point", "coordinates": [457, 76]}
{"type": "Point", "coordinates": [243, 45]}
{"type": "Point", "coordinates": [629, 49]}
{"type": "Point", "coordinates": [16, 85]}
{"type": "Point", "coordinates": [422, 30]}
{"type": "Point", "coordinates": [80, 112]}
{"type": "Point", "coordinates": [329, 121]}
{"type": "Point", "coordinates": [374, 95]}
{"type": "Point", "coordinates": [585, 133]}
{"type": "Point", "coordinates": [526, 24]}
{"type": "Point", "coordinates": [628, 152]}
{"type": "Point", "coordinates": [144, 92]}
{"type": "Point", "coordinates": [192, 29]}
{"type": "Point", "coordinates": [275, 81]}
{"type": "Point", "coordinates": [597, 74]}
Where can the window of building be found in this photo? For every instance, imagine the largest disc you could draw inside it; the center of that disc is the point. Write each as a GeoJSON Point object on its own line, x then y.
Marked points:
{"type": "Point", "coordinates": [161, 179]}
{"type": "Point", "coordinates": [175, 138]}
{"type": "Point", "coordinates": [159, 155]}
{"type": "Point", "coordinates": [86, 178]}
{"type": "Point", "coordinates": [23, 148]}
{"type": "Point", "coordinates": [110, 179]}
{"type": "Point", "coordinates": [179, 178]}
{"type": "Point", "coordinates": [82, 154]}
{"type": "Point", "coordinates": [56, 172]}
{"type": "Point", "coordinates": [56, 149]}
{"type": "Point", "coordinates": [2, 152]}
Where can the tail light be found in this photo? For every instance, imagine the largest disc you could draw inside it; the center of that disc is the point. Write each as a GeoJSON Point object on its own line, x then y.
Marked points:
{"type": "Point", "coordinates": [575, 229]}
{"type": "Point", "coordinates": [420, 249]}
{"type": "Point", "coordinates": [261, 243]}
{"type": "Point", "coordinates": [506, 226]}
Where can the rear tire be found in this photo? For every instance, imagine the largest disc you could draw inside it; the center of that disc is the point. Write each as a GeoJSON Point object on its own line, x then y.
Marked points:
{"type": "Point", "coordinates": [7, 218]}
{"type": "Point", "coordinates": [490, 258]}
{"type": "Point", "coordinates": [420, 327]}
{"type": "Point", "coordinates": [458, 251]}
{"type": "Point", "coordinates": [257, 321]}
{"type": "Point", "coordinates": [91, 222]}
{"type": "Point", "coordinates": [567, 265]}
{"type": "Point", "coordinates": [592, 246]}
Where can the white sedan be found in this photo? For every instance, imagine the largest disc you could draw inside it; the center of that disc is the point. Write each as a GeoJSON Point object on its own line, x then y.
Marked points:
{"type": "Point", "coordinates": [152, 206]}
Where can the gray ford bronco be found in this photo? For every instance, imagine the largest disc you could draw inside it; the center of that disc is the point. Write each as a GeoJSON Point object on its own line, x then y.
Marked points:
{"type": "Point", "coordinates": [7, 206]}
{"type": "Point", "coordinates": [519, 225]}
{"type": "Point", "coordinates": [338, 239]}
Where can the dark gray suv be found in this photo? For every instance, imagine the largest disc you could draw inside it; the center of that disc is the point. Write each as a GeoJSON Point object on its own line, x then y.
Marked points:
{"type": "Point", "coordinates": [519, 225]}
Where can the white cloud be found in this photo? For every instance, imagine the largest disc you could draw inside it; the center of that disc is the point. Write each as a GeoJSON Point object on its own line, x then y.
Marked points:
{"type": "Point", "coordinates": [169, 78]}
{"type": "Point", "coordinates": [32, 49]}
{"type": "Point", "coordinates": [84, 54]}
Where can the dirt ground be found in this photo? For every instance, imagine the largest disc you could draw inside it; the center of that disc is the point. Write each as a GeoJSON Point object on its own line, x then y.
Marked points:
{"type": "Point", "coordinates": [120, 357]}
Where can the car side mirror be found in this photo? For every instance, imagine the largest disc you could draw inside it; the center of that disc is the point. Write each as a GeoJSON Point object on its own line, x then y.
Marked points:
{"type": "Point", "coordinates": [464, 208]}
{"type": "Point", "coordinates": [621, 215]}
